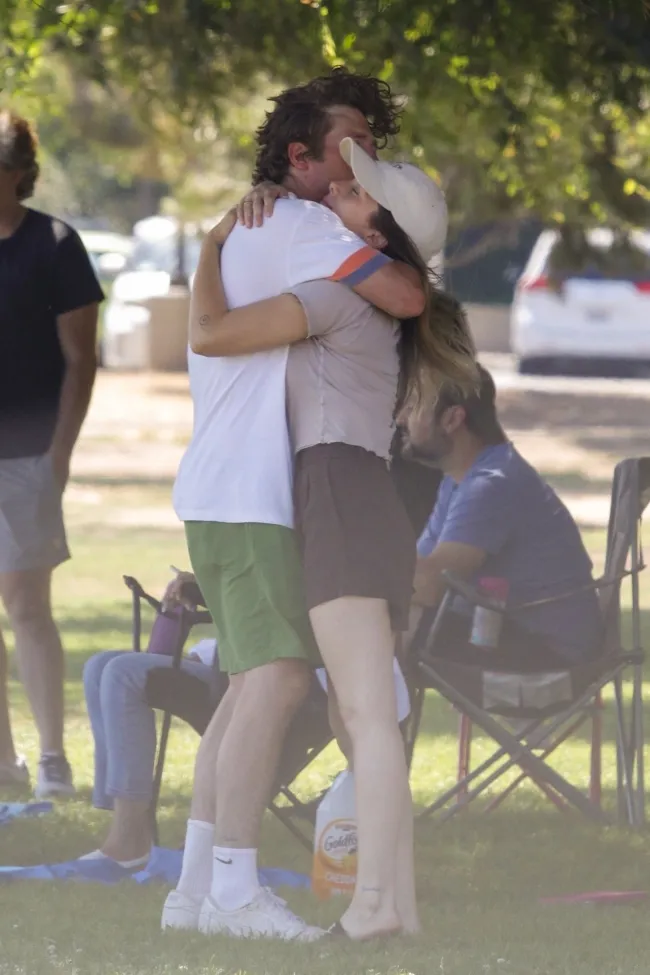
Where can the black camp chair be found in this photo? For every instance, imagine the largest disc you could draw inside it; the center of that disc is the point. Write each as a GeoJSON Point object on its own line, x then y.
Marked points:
{"type": "Point", "coordinates": [551, 705]}
{"type": "Point", "coordinates": [181, 695]}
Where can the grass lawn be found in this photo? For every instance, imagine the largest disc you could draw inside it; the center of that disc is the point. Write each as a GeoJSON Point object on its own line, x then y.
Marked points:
{"type": "Point", "coordinates": [479, 878]}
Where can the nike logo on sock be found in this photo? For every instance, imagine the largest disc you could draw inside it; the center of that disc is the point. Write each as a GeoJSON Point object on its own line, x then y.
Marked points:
{"type": "Point", "coordinates": [227, 862]}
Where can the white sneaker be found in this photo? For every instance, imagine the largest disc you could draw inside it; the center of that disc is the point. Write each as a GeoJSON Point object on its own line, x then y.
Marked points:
{"type": "Point", "coordinates": [15, 774]}
{"type": "Point", "coordinates": [54, 777]}
{"type": "Point", "coordinates": [181, 912]}
{"type": "Point", "coordinates": [267, 916]}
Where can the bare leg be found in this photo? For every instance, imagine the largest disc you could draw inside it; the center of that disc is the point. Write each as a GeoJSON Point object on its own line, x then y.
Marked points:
{"type": "Point", "coordinates": [7, 750]}
{"type": "Point", "coordinates": [27, 598]}
{"type": "Point", "coordinates": [203, 794]}
{"type": "Point", "coordinates": [405, 900]}
{"type": "Point", "coordinates": [250, 749]}
{"type": "Point", "coordinates": [405, 897]}
{"type": "Point", "coordinates": [338, 728]}
{"type": "Point", "coordinates": [357, 644]}
{"type": "Point", "coordinates": [183, 904]}
{"type": "Point", "coordinates": [130, 835]}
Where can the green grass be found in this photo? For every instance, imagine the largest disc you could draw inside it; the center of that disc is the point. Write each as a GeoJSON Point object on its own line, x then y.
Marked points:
{"type": "Point", "coordinates": [479, 878]}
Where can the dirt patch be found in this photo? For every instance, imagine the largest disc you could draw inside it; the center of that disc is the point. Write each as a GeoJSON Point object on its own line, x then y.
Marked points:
{"type": "Point", "coordinates": [139, 424]}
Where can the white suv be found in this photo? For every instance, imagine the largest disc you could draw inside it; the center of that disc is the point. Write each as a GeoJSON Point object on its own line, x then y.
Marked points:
{"type": "Point", "coordinates": [596, 308]}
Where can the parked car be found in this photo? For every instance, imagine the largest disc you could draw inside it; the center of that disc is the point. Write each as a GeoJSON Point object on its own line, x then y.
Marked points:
{"type": "Point", "coordinates": [108, 251]}
{"type": "Point", "coordinates": [593, 309]}
{"type": "Point", "coordinates": [148, 273]}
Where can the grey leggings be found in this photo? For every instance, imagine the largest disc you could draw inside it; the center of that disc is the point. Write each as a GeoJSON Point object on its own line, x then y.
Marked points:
{"type": "Point", "coordinates": [122, 722]}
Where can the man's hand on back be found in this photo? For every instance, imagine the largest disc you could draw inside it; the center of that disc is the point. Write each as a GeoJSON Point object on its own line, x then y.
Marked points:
{"type": "Point", "coordinates": [259, 203]}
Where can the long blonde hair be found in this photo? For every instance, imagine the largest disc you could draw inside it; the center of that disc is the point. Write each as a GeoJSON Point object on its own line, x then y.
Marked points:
{"type": "Point", "coordinates": [436, 347]}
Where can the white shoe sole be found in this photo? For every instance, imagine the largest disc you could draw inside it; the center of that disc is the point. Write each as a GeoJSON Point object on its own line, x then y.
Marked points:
{"type": "Point", "coordinates": [180, 917]}
{"type": "Point", "coordinates": [53, 790]}
{"type": "Point", "coordinates": [212, 921]}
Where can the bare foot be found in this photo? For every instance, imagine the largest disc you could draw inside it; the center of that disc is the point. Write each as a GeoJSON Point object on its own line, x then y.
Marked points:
{"type": "Point", "coordinates": [132, 848]}
{"type": "Point", "coordinates": [364, 925]}
{"type": "Point", "coordinates": [365, 935]}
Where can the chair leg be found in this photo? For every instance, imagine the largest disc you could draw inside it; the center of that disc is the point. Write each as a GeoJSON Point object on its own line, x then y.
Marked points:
{"type": "Point", "coordinates": [500, 755]}
{"type": "Point", "coordinates": [509, 763]}
{"type": "Point", "coordinates": [498, 800]}
{"type": "Point", "coordinates": [285, 818]}
{"type": "Point", "coordinates": [464, 756]}
{"type": "Point", "coordinates": [413, 723]}
{"type": "Point", "coordinates": [620, 763]}
{"type": "Point", "coordinates": [623, 750]}
{"type": "Point", "coordinates": [158, 774]}
{"type": "Point", "coordinates": [595, 778]}
{"type": "Point", "coordinates": [639, 735]}
{"type": "Point", "coordinates": [519, 752]}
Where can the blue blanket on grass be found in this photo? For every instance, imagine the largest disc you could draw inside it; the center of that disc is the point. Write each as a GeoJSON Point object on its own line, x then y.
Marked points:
{"type": "Point", "coordinates": [164, 866]}
{"type": "Point", "coordinates": [22, 810]}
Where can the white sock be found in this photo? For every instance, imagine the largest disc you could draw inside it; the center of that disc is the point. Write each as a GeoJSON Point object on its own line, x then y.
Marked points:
{"type": "Point", "coordinates": [234, 877]}
{"type": "Point", "coordinates": [196, 872]}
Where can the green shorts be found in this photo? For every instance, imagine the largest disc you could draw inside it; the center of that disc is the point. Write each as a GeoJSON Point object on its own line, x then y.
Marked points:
{"type": "Point", "coordinates": [251, 579]}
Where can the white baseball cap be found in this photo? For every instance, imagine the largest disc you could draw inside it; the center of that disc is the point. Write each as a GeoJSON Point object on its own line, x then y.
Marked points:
{"type": "Point", "coordinates": [416, 202]}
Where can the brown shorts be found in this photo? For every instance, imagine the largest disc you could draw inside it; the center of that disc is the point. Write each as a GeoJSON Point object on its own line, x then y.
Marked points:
{"type": "Point", "coordinates": [355, 536]}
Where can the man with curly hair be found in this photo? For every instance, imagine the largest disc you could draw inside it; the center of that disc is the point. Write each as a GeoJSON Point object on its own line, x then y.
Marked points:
{"type": "Point", "coordinates": [234, 493]}
{"type": "Point", "coordinates": [49, 299]}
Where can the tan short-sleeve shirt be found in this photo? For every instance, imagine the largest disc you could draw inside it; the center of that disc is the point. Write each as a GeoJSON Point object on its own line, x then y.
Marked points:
{"type": "Point", "coordinates": [342, 380]}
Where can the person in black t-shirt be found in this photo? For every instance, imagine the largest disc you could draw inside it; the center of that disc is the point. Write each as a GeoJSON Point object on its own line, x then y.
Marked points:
{"type": "Point", "coordinates": [49, 299]}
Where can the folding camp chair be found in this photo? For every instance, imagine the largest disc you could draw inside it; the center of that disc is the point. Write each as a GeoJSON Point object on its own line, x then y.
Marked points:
{"type": "Point", "coordinates": [550, 705]}
{"type": "Point", "coordinates": [179, 694]}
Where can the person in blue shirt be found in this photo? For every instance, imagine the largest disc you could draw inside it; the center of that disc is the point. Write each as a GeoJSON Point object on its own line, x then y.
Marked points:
{"type": "Point", "coordinates": [496, 517]}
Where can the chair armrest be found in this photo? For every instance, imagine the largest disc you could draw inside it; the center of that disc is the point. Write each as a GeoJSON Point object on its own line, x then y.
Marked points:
{"type": "Point", "coordinates": [595, 586]}
{"type": "Point", "coordinates": [474, 596]}
{"type": "Point", "coordinates": [197, 616]}
{"type": "Point", "coordinates": [134, 586]}
{"type": "Point", "coordinates": [194, 616]}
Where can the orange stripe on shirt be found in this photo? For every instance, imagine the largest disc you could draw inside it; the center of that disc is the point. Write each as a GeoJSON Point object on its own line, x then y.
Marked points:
{"type": "Point", "coordinates": [353, 263]}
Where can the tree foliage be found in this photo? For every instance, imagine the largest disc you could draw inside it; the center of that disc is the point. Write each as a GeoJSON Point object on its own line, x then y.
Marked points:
{"type": "Point", "coordinates": [517, 106]}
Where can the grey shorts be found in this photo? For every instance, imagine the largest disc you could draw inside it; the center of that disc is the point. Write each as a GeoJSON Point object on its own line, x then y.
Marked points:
{"type": "Point", "coordinates": [32, 534]}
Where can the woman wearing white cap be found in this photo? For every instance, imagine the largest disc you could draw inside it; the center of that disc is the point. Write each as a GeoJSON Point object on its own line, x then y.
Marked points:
{"type": "Point", "coordinates": [349, 368]}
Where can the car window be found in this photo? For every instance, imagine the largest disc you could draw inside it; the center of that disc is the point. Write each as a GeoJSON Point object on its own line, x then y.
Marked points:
{"type": "Point", "coordinates": [600, 254]}
{"type": "Point", "coordinates": [162, 255]}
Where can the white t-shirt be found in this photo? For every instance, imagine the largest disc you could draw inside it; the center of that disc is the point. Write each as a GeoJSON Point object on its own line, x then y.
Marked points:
{"type": "Point", "coordinates": [238, 466]}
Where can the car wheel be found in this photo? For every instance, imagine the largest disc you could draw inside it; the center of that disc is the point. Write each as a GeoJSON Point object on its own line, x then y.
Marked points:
{"type": "Point", "coordinates": [534, 367]}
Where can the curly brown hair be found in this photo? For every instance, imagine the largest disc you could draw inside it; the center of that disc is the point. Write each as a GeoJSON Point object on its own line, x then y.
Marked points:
{"type": "Point", "coordinates": [300, 115]}
{"type": "Point", "coordinates": [18, 148]}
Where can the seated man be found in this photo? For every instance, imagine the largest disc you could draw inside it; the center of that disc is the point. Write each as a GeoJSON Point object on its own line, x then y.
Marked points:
{"type": "Point", "coordinates": [124, 731]}
{"type": "Point", "coordinates": [496, 517]}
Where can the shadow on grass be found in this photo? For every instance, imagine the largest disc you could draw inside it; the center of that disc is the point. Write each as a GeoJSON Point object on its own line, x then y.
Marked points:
{"type": "Point", "coordinates": [98, 622]}
{"type": "Point", "coordinates": [580, 481]}
{"type": "Point", "coordinates": [526, 851]}
{"type": "Point", "coordinates": [567, 411]}
{"type": "Point", "coordinates": [607, 421]}
{"type": "Point", "coordinates": [132, 481]}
